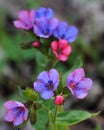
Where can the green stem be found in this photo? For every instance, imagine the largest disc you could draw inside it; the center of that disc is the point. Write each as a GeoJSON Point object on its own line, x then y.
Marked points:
{"type": "Point", "coordinates": [55, 113]}
{"type": "Point", "coordinates": [52, 118]}
{"type": "Point", "coordinates": [60, 109]}
{"type": "Point", "coordinates": [50, 63]}
{"type": "Point", "coordinates": [45, 108]}
{"type": "Point", "coordinates": [55, 127]}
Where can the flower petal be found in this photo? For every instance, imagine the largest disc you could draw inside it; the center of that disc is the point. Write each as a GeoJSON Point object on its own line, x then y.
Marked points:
{"type": "Point", "coordinates": [76, 76]}
{"type": "Point", "coordinates": [85, 83]}
{"type": "Point", "coordinates": [40, 28]}
{"type": "Point", "coordinates": [80, 93]}
{"type": "Point", "coordinates": [40, 12]}
{"type": "Point", "coordinates": [54, 76]}
{"type": "Point", "coordinates": [67, 50]}
{"type": "Point", "coordinates": [71, 38]}
{"type": "Point", "coordinates": [53, 22]}
{"type": "Point", "coordinates": [43, 77]}
{"type": "Point", "coordinates": [10, 105]}
{"type": "Point", "coordinates": [49, 13]}
{"type": "Point", "coordinates": [54, 46]}
{"type": "Point", "coordinates": [44, 12]}
{"type": "Point", "coordinates": [19, 104]}
{"type": "Point", "coordinates": [47, 94]}
{"type": "Point", "coordinates": [20, 24]}
{"type": "Point", "coordinates": [17, 24]}
{"type": "Point", "coordinates": [10, 115]}
{"type": "Point", "coordinates": [32, 16]}
{"type": "Point", "coordinates": [23, 15]}
{"type": "Point", "coordinates": [62, 57]}
{"type": "Point", "coordinates": [25, 114]}
{"type": "Point", "coordinates": [60, 30]}
{"type": "Point", "coordinates": [18, 119]}
{"type": "Point", "coordinates": [71, 33]}
{"type": "Point", "coordinates": [62, 44]}
{"type": "Point", "coordinates": [39, 86]}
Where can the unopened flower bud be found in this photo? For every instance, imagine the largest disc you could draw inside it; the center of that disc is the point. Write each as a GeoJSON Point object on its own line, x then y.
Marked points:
{"type": "Point", "coordinates": [59, 100]}
{"type": "Point", "coordinates": [33, 115]}
{"type": "Point", "coordinates": [36, 44]}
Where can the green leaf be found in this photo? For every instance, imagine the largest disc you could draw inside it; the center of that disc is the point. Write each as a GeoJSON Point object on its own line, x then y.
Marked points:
{"type": "Point", "coordinates": [98, 127]}
{"type": "Point", "coordinates": [41, 59]}
{"type": "Point", "coordinates": [42, 119]}
{"type": "Point", "coordinates": [21, 92]}
{"type": "Point", "coordinates": [72, 117]}
{"type": "Point", "coordinates": [28, 94]}
{"type": "Point", "coordinates": [26, 45]}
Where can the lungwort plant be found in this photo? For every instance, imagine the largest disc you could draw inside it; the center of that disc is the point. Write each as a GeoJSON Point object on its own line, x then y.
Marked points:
{"type": "Point", "coordinates": [43, 104]}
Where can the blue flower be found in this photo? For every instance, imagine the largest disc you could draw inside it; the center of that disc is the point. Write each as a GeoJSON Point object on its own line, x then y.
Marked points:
{"type": "Point", "coordinates": [47, 83]}
{"type": "Point", "coordinates": [45, 27]}
{"type": "Point", "coordinates": [44, 12]}
{"type": "Point", "coordinates": [63, 31]}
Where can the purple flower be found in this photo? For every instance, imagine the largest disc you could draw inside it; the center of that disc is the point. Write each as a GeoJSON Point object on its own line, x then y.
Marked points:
{"type": "Point", "coordinates": [44, 12]}
{"type": "Point", "coordinates": [45, 27]}
{"type": "Point", "coordinates": [25, 20]}
{"type": "Point", "coordinates": [63, 31]}
{"type": "Point", "coordinates": [47, 83]}
{"type": "Point", "coordinates": [78, 84]}
{"type": "Point", "coordinates": [16, 112]}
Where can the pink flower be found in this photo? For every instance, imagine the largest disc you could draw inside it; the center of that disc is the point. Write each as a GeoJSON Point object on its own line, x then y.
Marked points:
{"type": "Point", "coordinates": [78, 84]}
{"type": "Point", "coordinates": [61, 49]}
{"type": "Point", "coordinates": [59, 100]}
{"type": "Point", "coordinates": [16, 112]}
{"type": "Point", "coordinates": [25, 20]}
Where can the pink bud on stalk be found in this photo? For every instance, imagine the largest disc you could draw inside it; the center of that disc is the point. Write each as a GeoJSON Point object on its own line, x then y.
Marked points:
{"type": "Point", "coordinates": [36, 44]}
{"type": "Point", "coordinates": [59, 100]}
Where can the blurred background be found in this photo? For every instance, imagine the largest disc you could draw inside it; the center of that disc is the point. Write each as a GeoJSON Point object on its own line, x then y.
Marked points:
{"type": "Point", "coordinates": [20, 67]}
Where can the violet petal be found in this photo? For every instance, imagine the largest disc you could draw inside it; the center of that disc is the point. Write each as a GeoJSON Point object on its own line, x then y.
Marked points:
{"type": "Point", "coordinates": [47, 94]}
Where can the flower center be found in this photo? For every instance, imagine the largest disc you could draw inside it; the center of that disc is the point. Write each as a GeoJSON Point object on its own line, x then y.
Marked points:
{"type": "Point", "coordinates": [21, 108]}
{"type": "Point", "coordinates": [72, 85]}
{"type": "Point", "coordinates": [58, 51]}
{"type": "Point", "coordinates": [63, 36]}
{"type": "Point", "coordinates": [50, 85]}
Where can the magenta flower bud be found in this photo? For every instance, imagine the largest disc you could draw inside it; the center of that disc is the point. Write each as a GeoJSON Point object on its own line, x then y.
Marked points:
{"type": "Point", "coordinates": [16, 112]}
{"type": "Point", "coordinates": [36, 44]}
{"type": "Point", "coordinates": [59, 100]}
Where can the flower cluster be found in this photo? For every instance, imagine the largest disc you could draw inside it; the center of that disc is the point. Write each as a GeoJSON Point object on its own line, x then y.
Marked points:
{"type": "Point", "coordinates": [47, 83]}
{"type": "Point", "coordinates": [44, 24]}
